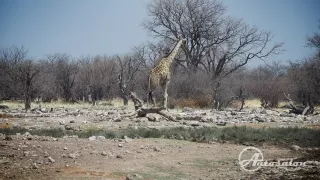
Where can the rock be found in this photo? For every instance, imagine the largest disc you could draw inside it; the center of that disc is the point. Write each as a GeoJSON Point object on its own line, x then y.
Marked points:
{"type": "Point", "coordinates": [92, 138]}
{"type": "Point", "coordinates": [295, 147]}
{"type": "Point", "coordinates": [179, 117]}
{"type": "Point", "coordinates": [127, 139]}
{"type": "Point", "coordinates": [117, 119]}
{"type": "Point", "coordinates": [112, 113]}
{"type": "Point", "coordinates": [4, 161]}
{"type": "Point", "coordinates": [65, 148]}
{"type": "Point", "coordinates": [72, 121]}
{"type": "Point", "coordinates": [194, 123]}
{"type": "Point", "coordinates": [193, 117]}
{"type": "Point", "coordinates": [120, 145]}
{"type": "Point", "coordinates": [287, 115]}
{"type": "Point", "coordinates": [264, 111]}
{"type": "Point", "coordinates": [4, 107]}
{"type": "Point", "coordinates": [46, 154]}
{"type": "Point", "coordinates": [119, 157]}
{"type": "Point", "coordinates": [187, 109]}
{"type": "Point", "coordinates": [51, 160]}
{"type": "Point", "coordinates": [8, 138]}
{"type": "Point", "coordinates": [153, 117]}
{"type": "Point", "coordinates": [283, 126]}
{"type": "Point", "coordinates": [221, 123]}
{"type": "Point", "coordinates": [156, 149]}
{"type": "Point", "coordinates": [62, 122]}
{"type": "Point", "coordinates": [15, 125]}
{"type": "Point", "coordinates": [26, 153]}
{"type": "Point", "coordinates": [27, 134]}
{"type": "Point", "coordinates": [259, 119]}
{"type": "Point", "coordinates": [253, 111]}
{"type": "Point", "coordinates": [206, 119]}
{"type": "Point", "coordinates": [35, 166]}
{"type": "Point", "coordinates": [104, 153]}
{"type": "Point", "coordinates": [68, 127]}
{"type": "Point", "coordinates": [101, 138]}
{"type": "Point", "coordinates": [133, 177]}
{"type": "Point", "coordinates": [126, 119]}
{"type": "Point", "coordinates": [73, 155]}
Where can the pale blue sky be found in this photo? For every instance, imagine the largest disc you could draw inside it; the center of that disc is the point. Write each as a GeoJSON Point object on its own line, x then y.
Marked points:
{"type": "Point", "coordinates": [91, 27]}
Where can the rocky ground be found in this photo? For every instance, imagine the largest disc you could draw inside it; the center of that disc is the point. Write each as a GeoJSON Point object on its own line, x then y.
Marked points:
{"type": "Point", "coordinates": [117, 118]}
{"type": "Point", "coordinates": [32, 157]}
{"type": "Point", "coordinates": [26, 156]}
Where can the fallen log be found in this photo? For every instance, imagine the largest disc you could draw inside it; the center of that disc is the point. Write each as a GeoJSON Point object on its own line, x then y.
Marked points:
{"type": "Point", "coordinates": [142, 111]}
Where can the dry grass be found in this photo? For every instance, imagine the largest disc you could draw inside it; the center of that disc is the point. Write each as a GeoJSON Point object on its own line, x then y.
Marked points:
{"type": "Point", "coordinates": [255, 103]}
{"type": "Point", "coordinates": [13, 104]}
{"type": "Point", "coordinates": [305, 137]}
{"type": "Point", "coordinates": [252, 103]}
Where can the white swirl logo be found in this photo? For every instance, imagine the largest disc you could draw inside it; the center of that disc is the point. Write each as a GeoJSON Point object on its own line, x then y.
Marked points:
{"type": "Point", "coordinates": [252, 164]}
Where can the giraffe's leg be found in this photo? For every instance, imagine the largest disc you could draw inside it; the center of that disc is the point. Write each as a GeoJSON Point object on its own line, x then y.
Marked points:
{"type": "Point", "coordinates": [154, 101]}
{"type": "Point", "coordinates": [148, 97]}
{"type": "Point", "coordinates": [165, 94]}
{"type": "Point", "coordinates": [152, 98]}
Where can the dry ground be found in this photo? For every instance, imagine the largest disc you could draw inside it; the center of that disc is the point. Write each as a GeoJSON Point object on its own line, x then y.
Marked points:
{"type": "Point", "coordinates": [114, 159]}
{"type": "Point", "coordinates": [34, 157]}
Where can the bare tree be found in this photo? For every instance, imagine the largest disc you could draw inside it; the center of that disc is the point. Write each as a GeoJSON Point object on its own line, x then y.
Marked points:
{"type": "Point", "coordinates": [195, 20]}
{"type": "Point", "coordinates": [129, 66]}
{"type": "Point", "coordinates": [305, 76]}
{"type": "Point", "coordinates": [96, 77]}
{"type": "Point", "coordinates": [19, 73]}
{"type": "Point", "coordinates": [65, 71]}
{"type": "Point", "coordinates": [314, 40]}
{"type": "Point", "coordinates": [216, 44]}
{"type": "Point", "coordinates": [305, 79]}
{"type": "Point", "coordinates": [268, 83]}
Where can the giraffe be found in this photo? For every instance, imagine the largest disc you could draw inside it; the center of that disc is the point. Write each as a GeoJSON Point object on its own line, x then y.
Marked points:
{"type": "Point", "coordinates": [160, 74]}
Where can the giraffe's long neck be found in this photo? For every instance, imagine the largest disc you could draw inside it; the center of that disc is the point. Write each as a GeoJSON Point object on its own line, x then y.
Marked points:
{"type": "Point", "coordinates": [174, 51]}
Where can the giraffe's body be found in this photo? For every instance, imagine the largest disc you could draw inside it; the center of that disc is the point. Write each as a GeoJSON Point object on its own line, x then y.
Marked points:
{"type": "Point", "coordinates": [160, 75]}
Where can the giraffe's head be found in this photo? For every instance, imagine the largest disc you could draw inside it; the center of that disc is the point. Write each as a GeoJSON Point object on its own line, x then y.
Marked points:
{"type": "Point", "coordinates": [184, 40]}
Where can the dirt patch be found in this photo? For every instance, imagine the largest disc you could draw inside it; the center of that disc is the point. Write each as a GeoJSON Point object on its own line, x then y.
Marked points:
{"type": "Point", "coordinates": [6, 116]}
{"type": "Point", "coordinates": [73, 172]}
{"type": "Point", "coordinates": [5, 125]}
{"type": "Point", "coordinates": [73, 158]}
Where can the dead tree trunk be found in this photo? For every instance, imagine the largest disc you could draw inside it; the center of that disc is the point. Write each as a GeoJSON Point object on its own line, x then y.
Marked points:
{"type": "Point", "coordinates": [136, 101]}
{"type": "Point", "coordinates": [240, 97]}
{"type": "Point", "coordinates": [298, 110]}
{"type": "Point", "coordinates": [123, 89]}
{"type": "Point", "coordinates": [143, 111]}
